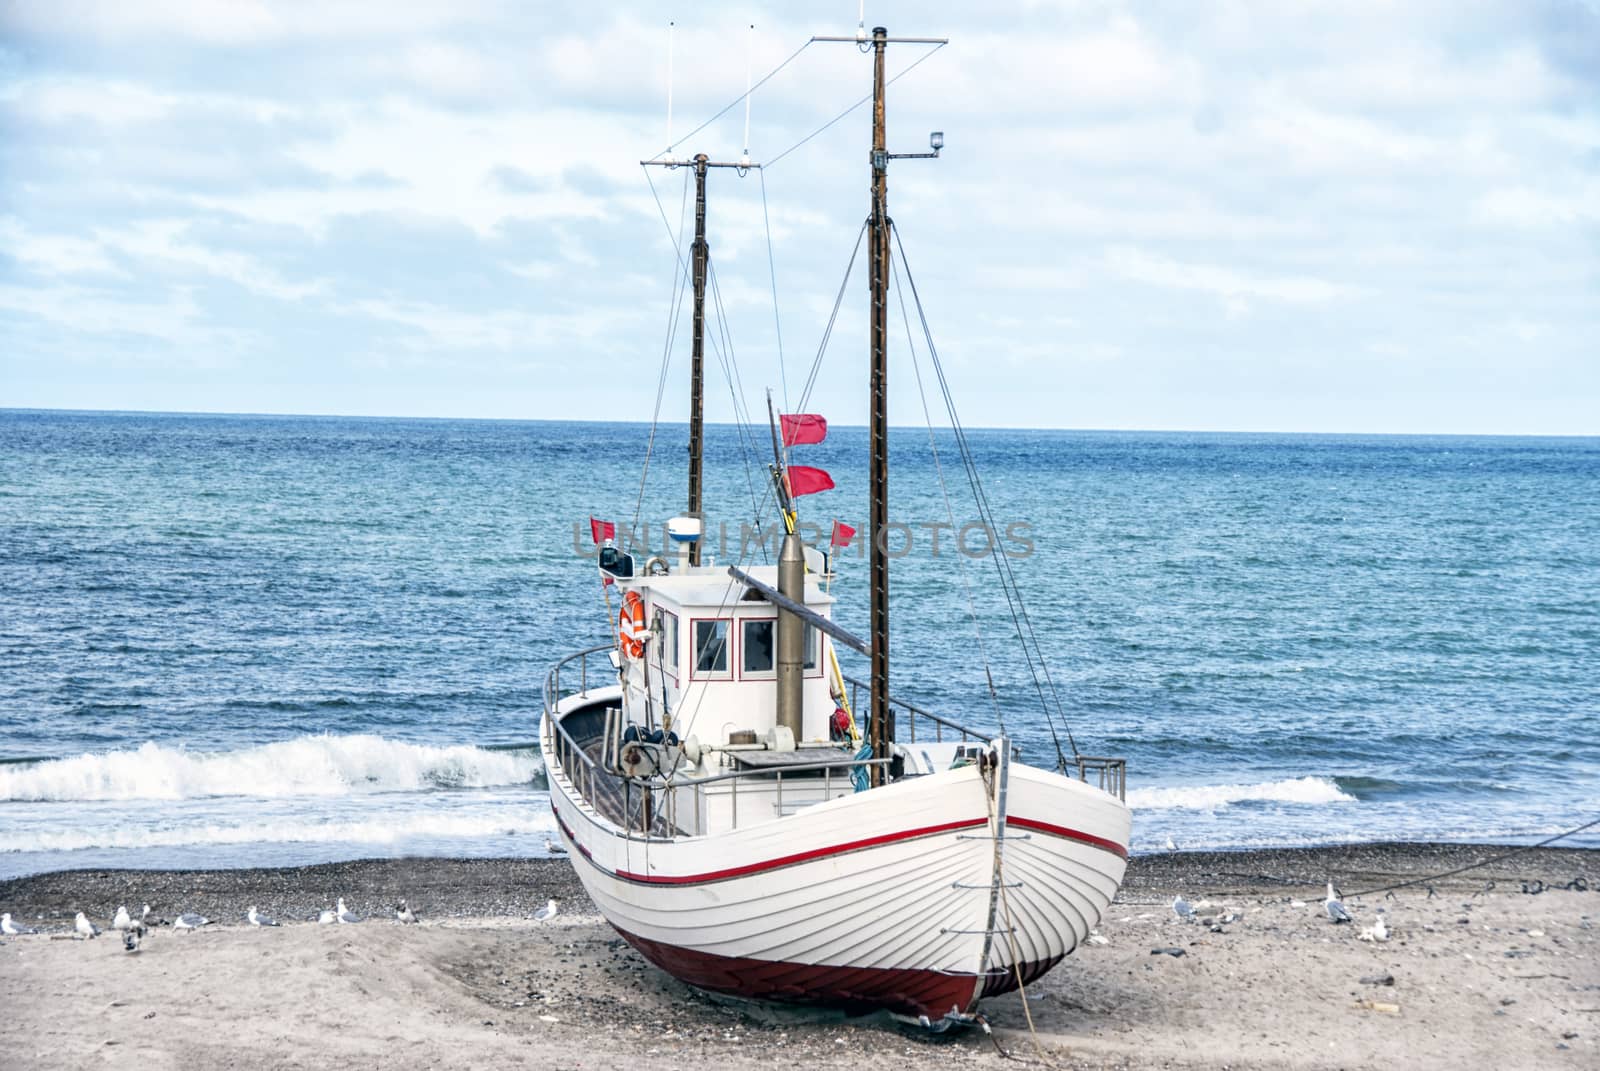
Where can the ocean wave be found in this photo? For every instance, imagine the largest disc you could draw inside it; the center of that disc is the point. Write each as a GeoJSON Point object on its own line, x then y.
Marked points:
{"type": "Point", "coordinates": [322, 765]}
{"type": "Point", "coordinates": [1309, 790]}
{"type": "Point", "coordinates": [389, 830]}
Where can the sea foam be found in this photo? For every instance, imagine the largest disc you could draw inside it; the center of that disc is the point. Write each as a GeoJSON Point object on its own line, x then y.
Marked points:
{"type": "Point", "coordinates": [1311, 790]}
{"type": "Point", "coordinates": [305, 766]}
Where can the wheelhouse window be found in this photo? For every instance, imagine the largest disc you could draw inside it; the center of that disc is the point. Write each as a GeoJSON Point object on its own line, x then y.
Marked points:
{"type": "Point", "coordinates": [669, 642]}
{"type": "Point", "coordinates": [813, 647]}
{"type": "Point", "coordinates": [758, 648]}
{"type": "Point", "coordinates": [711, 648]}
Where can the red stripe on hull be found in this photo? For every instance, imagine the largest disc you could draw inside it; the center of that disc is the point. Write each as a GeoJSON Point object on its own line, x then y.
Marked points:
{"type": "Point", "coordinates": [800, 857]}
{"type": "Point", "coordinates": [1103, 843]}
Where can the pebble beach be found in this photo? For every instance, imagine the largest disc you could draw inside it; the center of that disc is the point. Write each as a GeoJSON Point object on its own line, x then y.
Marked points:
{"type": "Point", "coordinates": [1497, 966]}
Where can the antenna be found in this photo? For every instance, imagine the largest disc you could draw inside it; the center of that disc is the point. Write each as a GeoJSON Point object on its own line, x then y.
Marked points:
{"type": "Point", "coordinates": [861, 21]}
{"type": "Point", "coordinates": [670, 25]}
{"type": "Point", "coordinates": [749, 44]}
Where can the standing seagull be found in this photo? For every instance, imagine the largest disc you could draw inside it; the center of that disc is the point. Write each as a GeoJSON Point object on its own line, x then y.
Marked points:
{"type": "Point", "coordinates": [1182, 908]}
{"type": "Point", "coordinates": [11, 929]}
{"type": "Point", "coordinates": [84, 927]}
{"type": "Point", "coordinates": [1335, 906]}
{"type": "Point", "coordinates": [546, 913]}
{"type": "Point", "coordinates": [145, 918]}
{"type": "Point", "coordinates": [122, 921]}
{"type": "Point", "coordinates": [402, 913]}
{"type": "Point", "coordinates": [131, 938]}
{"type": "Point", "coordinates": [255, 919]}
{"type": "Point", "coordinates": [190, 921]}
{"type": "Point", "coordinates": [344, 914]}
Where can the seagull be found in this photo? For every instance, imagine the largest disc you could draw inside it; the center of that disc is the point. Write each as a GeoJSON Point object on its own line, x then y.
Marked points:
{"type": "Point", "coordinates": [1182, 908]}
{"type": "Point", "coordinates": [190, 921]}
{"type": "Point", "coordinates": [131, 937]}
{"type": "Point", "coordinates": [148, 921]}
{"type": "Point", "coordinates": [84, 927]}
{"type": "Point", "coordinates": [257, 919]}
{"type": "Point", "coordinates": [122, 921]}
{"type": "Point", "coordinates": [403, 913]}
{"type": "Point", "coordinates": [11, 929]}
{"type": "Point", "coordinates": [1378, 932]}
{"type": "Point", "coordinates": [1335, 907]}
{"type": "Point", "coordinates": [1172, 845]}
{"type": "Point", "coordinates": [546, 913]}
{"type": "Point", "coordinates": [553, 848]}
{"type": "Point", "coordinates": [327, 918]}
{"type": "Point", "coordinates": [344, 914]}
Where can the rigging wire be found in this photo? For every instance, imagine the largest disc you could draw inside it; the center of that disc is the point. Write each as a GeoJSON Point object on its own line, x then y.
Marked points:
{"type": "Point", "coordinates": [827, 332]}
{"type": "Point", "coordinates": [741, 409]}
{"type": "Point", "coordinates": [1008, 580]}
{"type": "Point", "coordinates": [734, 103]}
{"type": "Point", "coordinates": [944, 491]}
{"type": "Point", "coordinates": [909, 68]}
{"type": "Point", "coordinates": [680, 286]}
{"type": "Point", "coordinates": [772, 273]}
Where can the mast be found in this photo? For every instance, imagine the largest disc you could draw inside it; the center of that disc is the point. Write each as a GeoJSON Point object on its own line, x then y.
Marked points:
{"type": "Point", "coordinates": [700, 256]}
{"type": "Point", "coordinates": [700, 253]}
{"type": "Point", "coordinates": [878, 478]}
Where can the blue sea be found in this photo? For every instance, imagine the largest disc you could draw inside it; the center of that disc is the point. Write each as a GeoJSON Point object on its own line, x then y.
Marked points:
{"type": "Point", "coordinates": [263, 640]}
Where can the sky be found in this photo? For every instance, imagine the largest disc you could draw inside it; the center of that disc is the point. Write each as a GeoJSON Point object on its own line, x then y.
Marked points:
{"type": "Point", "coordinates": [1344, 216]}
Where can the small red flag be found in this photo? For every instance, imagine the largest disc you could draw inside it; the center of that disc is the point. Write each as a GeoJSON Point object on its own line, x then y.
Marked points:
{"type": "Point", "coordinates": [601, 530]}
{"type": "Point", "coordinates": [804, 480]}
{"type": "Point", "coordinates": [802, 428]}
{"type": "Point", "coordinates": [842, 535]}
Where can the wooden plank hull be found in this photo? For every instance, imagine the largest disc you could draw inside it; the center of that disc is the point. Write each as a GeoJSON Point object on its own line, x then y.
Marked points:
{"type": "Point", "coordinates": [880, 899]}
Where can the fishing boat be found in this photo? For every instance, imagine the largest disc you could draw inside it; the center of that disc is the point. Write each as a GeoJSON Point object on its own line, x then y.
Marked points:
{"type": "Point", "coordinates": [757, 824]}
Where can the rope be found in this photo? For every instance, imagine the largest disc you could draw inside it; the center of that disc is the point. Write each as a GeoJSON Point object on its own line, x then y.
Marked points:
{"type": "Point", "coordinates": [1479, 864]}
{"type": "Point", "coordinates": [1005, 906]}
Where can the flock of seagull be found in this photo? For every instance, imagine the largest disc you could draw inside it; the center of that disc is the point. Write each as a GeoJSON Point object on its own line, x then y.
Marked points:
{"type": "Point", "coordinates": [134, 930]}
{"type": "Point", "coordinates": [1333, 906]}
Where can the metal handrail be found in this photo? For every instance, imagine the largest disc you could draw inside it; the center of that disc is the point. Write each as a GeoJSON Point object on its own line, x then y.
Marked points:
{"type": "Point", "coordinates": [940, 724]}
{"type": "Point", "coordinates": [580, 769]}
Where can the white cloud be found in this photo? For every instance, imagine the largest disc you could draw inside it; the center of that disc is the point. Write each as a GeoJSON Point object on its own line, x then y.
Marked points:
{"type": "Point", "coordinates": [1227, 283]}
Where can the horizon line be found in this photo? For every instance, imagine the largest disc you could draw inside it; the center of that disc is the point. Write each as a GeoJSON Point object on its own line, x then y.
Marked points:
{"type": "Point", "coordinates": [728, 424]}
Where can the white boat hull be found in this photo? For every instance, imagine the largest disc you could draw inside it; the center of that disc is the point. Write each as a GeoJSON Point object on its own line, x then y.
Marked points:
{"type": "Point", "coordinates": [880, 899]}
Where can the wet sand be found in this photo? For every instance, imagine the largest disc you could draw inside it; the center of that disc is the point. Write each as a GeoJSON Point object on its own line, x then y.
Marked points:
{"type": "Point", "coordinates": [1483, 974]}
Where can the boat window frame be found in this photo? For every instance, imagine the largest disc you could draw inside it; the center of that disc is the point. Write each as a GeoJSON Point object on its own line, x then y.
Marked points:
{"type": "Point", "coordinates": [695, 672]}
{"type": "Point", "coordinates": [667, 660]}
{"type": "Point", "coordinates": [813, 664]}
{"type": "Point", "coordinates": [758, 674]}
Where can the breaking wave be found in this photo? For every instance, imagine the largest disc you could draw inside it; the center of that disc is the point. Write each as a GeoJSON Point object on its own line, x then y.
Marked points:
{"type": "Point", "coordinates": [1210, 797]}
{"type": "Point", "coordinates": [388, 830]}
{"type": "Point", "coordinates": [305, 766]}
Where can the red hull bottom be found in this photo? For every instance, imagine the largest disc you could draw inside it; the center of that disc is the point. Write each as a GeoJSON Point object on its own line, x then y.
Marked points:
{"type": "Point", "coordinates": [855, 990]}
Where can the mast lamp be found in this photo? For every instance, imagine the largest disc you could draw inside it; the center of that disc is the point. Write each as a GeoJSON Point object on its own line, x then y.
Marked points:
{"type": "Point", "coordinates": [935, 142]}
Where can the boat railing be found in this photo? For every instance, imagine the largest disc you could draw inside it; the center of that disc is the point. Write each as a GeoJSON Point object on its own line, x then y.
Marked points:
{"type": "Point", "coordinates": [636, 796]}
{"type": "Point", "coordinates": [1112, 774]}
{"type": "Point", "coordinates": [908, 714]}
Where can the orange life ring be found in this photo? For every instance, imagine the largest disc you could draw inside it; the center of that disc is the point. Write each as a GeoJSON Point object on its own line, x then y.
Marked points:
{"type": "Point", "coordinates": [630, 625]}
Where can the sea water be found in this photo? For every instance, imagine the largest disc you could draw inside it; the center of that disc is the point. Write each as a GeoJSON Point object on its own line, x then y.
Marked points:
{"type": "Point", "coordinates": [237, 640]}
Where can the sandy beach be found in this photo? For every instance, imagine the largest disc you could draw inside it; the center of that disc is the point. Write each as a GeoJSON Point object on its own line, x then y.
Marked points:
{"type": "Point", "coordinates": [1477, 972]}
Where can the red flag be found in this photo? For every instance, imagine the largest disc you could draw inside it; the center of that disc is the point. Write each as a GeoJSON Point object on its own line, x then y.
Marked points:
{"type": "Point", "coordinates": [802, 428]}
{"type": "Point", "coordinates": [842, 535]}
{"type": "Point", "coordinates": [804, 480]}
{"type": "Point", "coordinates": [601, 530]}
